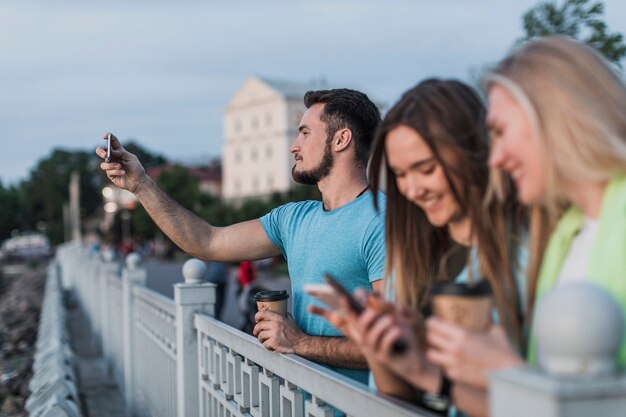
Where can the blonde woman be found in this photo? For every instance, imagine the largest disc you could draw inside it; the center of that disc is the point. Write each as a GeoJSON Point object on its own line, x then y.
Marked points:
{"type": "Point", "coordinates": [557, 116]}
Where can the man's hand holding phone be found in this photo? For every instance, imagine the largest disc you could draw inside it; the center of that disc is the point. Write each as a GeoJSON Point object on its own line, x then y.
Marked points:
{"type": "Point", "coordinates": [108, 157]}
{"type": "Point", "coordinates": [122, 167]}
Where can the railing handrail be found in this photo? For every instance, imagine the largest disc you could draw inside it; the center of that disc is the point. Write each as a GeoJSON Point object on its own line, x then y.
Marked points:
{"type": "Point", "coordinates": [154, 298]}
{"type": "Point", "coordinates": [115, 281]}
{"type": "Point", "coordinates": [336, 389]}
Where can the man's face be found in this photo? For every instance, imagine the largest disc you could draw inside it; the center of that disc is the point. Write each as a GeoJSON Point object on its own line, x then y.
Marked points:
{"type": "Point", "coordinates": [312, 148]}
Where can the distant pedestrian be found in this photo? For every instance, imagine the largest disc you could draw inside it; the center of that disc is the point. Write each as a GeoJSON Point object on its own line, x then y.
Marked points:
{"type": "Point", "coordinates": [218, 275]}
{"type": "Point", "coordinates": [246, 275]}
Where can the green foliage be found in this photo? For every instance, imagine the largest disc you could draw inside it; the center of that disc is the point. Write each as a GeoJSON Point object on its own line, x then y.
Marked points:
{"type": "Point", "coordinates": [148, 159]}
{"type": "Point", "coordinates": [223, 214]}
{"type": "Point", "coordinates": [183, 188]}
{"type": "Point", "coordinates": [580, 19]}
{"type": "Point", "coordinates": [9, 210]}
{"type": "Point", "coordinates": [40, 198]}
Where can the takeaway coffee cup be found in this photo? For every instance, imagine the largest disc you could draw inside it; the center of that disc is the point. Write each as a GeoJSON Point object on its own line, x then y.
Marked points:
{"type": "Point", "coordinates": [467, 304]}
{"type": "Point", "coordinates": [275, 301]}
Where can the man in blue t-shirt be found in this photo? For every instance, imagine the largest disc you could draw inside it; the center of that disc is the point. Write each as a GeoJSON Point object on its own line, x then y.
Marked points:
{"type": "Point", "coordinates": [342, 234]}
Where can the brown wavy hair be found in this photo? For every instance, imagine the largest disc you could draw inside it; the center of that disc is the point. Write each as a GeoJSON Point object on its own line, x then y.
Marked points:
{"type": "Point", "coordinates": [449, 116]}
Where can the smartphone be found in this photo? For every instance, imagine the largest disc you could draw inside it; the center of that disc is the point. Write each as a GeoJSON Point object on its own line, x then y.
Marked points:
{"type": "Point", "coordinates": [354, 304]}
{"type": "Point", "coordinates": [399, 345]}
{"type": "Point", "coordinates": [108, 157]}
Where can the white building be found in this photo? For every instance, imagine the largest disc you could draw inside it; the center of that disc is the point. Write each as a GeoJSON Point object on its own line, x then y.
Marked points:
{"type": "Point", "coordinates": [260, 124]}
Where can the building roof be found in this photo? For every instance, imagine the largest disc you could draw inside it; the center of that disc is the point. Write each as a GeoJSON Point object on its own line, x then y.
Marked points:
{"type": "Point", "coordinates": [292, 89]}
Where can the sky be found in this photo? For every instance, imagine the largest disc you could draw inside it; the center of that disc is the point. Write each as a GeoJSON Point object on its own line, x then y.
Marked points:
{"type": "Point", "coordinates": [162, 72]}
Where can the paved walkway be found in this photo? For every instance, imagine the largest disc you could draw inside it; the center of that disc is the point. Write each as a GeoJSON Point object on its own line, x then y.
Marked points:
{"type": "Point", "coordinates": [99, 395]}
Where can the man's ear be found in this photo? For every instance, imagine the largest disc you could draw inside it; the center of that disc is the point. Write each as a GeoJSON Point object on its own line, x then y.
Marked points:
{"type": "Point", "coordinates": [342, 139]}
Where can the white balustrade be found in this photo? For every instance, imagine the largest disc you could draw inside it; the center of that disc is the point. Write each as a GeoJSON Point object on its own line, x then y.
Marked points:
{"type": "Point", "coordinates": [52, 388]}
{"type": "Point", "coordinates": [239, 377]}
{"type": "Point", "coordinates": [155, 354]}
{"type": "Point", "coordinates": [579, 331]}
{"type": "Point", "coordinates": [171, 358]}
{"type": "Point", "coordinates": [191, 297]}
{"type": "Point", "coordinates": [132, 276]}
{"type": "Point", "coordinates": [114, 340]}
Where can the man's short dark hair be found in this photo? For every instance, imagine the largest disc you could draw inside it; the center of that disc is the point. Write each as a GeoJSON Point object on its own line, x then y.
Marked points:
{"type": "Point", "coordinates": [344, 108]}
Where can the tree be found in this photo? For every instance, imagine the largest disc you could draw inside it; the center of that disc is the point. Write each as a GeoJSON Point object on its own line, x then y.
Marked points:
{"type": "Point", "coordinates": [580, 19]}
{"type": "Point", "coordinates": [148, 159]}
{"type": "Point", "coordinates": [42, 196]}
{"type": "Point", "coordinates": [183, 188]}
{"type": "Point", "coordinates": [9, 211]}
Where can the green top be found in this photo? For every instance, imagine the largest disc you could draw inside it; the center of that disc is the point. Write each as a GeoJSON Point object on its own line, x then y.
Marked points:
{"type": "Point", "coordinates": [607, 261]}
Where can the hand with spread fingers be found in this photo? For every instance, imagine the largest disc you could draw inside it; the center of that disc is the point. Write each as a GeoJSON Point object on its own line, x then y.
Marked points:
{"type": "Point", "coordinates": [124, 169]}
{"type": "Point", "coordinates": [468, 356]}
{"type": "Point", "coordinates": [343, 318]}
{"type": "Point", "coordinates": [277, 332]}
{"type": "Point", "coordinates": [381, 326]}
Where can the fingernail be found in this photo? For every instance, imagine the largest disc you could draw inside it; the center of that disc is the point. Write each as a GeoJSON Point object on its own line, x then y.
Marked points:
{"type": "Point", "coordinates": [122, 172]}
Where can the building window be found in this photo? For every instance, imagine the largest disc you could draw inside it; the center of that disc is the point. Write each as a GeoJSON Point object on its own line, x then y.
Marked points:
{"type": "Point", "coordinates": [237, 185]}
{"type": "Point", "coordinates": [254, 123]}
{"type": "Point", "coordinates": [253, 153]}
{"type": "Point", "coordinates": [238, 156]}
{"type": "Point", "coordinates": [268, 119]}
{"type": "Point", "coordinates": [255, 183]}
{"type": "Point", "coordinates": [268, 152]}
{"type": "Point", "coordinates": [237, 125]}
{"type": "Point", "coordinates": [270, 182]}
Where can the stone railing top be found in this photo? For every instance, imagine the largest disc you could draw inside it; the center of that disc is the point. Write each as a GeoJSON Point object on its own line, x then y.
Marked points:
{"type": "Point", "coordinates": [108, 255]}
{"type": "Point", "coordinates": [133, 260]}
{"type": "Point", "coordinates": [194, 271]}
{"type": "Point", "coordinates": [579, 330]}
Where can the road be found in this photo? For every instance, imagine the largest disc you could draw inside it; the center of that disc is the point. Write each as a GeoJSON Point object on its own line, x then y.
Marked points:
{"type": "Point", "coordinates": [163, 275]}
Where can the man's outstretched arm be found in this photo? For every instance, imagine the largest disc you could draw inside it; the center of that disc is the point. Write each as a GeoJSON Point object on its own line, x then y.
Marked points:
{"type": "Point", "coordinates": [242, 241]}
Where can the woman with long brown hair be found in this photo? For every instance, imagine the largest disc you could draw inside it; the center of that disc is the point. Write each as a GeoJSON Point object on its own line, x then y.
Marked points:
{"type": "Point", "coordinates": [430, 154]}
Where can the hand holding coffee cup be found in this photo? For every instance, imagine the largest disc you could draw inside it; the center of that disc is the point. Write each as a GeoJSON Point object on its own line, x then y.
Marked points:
{"type": "Point", "coordinates": [275, 301]}
{"type": "Point", "coordinates": [468, 304]}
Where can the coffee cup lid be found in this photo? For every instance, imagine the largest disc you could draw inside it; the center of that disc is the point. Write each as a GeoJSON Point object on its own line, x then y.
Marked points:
{"type": "Point", "coordinates": [271, 295]}
{"type": "Point", "coordinates": [465, 289]}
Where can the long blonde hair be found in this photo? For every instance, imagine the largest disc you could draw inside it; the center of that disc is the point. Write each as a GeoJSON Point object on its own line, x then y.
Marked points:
{"type": "Point", "coordinates": [576, 102]}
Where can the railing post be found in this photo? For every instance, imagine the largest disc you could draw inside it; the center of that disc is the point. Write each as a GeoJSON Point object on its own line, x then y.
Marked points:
{"type": "Point", "coordinates": [579, 329]}
{"type": "Point", "coordinates": [94, 301]}
{"type": "Point", "coordinates": [192, 297]}
{"type": "Point", "coordinates": [109, 268]}
{"type": "Point", "coordinates": [132, 275]}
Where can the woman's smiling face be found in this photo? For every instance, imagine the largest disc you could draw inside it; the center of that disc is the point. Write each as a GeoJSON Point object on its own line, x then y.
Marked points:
{"type": "Point", "coordinates": [419, 175]}
{"type": "Point", "coordinates": [515, 145]}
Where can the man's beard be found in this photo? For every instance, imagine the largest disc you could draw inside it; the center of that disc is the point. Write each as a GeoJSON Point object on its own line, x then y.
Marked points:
{"type": "Point", "coordinates": [315, 175]}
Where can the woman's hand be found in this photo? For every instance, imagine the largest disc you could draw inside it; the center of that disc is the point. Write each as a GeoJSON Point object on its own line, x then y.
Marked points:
{"type": "Point", "coordinates": [468, 356]}
{"type": "Point", "coordinates": [381, 326]}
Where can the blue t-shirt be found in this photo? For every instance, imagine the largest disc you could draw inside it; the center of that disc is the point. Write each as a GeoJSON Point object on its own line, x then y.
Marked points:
{"type": "Point", "coordinates": [348, 243]}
